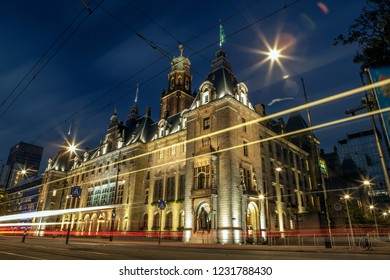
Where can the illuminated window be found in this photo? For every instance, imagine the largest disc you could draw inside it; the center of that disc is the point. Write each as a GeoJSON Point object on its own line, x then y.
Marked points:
{"type": "Point", "coordinates": [244, 126]}
{"type": "Point", "coordinates": [206, 123]}
{"type": "Point", "coordinates": [205, 97]}
{"type": "Point", "coordinates": [202, 177]}
{"type": "Point", "coordinates": [145, 222]}
{"type": "Point", "coordinates": [173, 150]}
{"type": "Point", "coordinates": [160, 154]}
{"type": "Point", "coordinates": [158, 190]}
{"type": "Point", "coordinates": [146, 197]}
{"type": "Point", "coordinates": [181, 187]}
{"type": "Point", "coordinates": [170, 189]}
{"type": "Point", "coordinates": [245, 149]}
{"type": "Point", "coordinates": [168, 221]}
{"type": "Point", "coordinates": [156, 221]}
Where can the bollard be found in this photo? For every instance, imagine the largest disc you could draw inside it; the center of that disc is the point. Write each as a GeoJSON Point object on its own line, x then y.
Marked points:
{"type": "Point", "coordinates": [24, 235]}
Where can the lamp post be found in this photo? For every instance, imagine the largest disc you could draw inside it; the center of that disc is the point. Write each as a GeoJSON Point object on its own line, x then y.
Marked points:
{"type": "Point", "coordinates": [372, 208]}
{"type": "Point", "coordinates": [74, 194]}
{"type": "Point", "coordinates": [264, 231]}
{"type": "Point", "coordinates": [318, 178]}
{"type": "Point", "coordinates": [279, 205]}
{"type": "Point", "coordinates": [346, 197]}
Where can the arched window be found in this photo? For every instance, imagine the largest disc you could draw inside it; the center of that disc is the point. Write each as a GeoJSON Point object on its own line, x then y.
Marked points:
{"type": "Point", "coordinates": [187, 84]}
{"type": "Point", "coordinates": [206, 97]}
{"type": "Point", "coordinates": [145, 222]}
{"type": "Point", "coordinates": [201, 180]}
{"type": "Point", "coordinates": [172, 82]}
{"type": "Point", "coordinates": [156, 221]}
{"type": "Point", "coordinates": [168, 221]}
{"type": "Point", "coordinates": [181, 220]}
{"type": "Point", "coordinates": [202, 177]}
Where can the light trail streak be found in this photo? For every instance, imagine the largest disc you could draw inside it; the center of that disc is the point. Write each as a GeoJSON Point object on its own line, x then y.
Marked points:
{"type": "Point", "coordinates": [48, 213]}
{"type": "Point", "coordinates": [31, 224]}
{"type": "Point", "coordinates": [238, 126]}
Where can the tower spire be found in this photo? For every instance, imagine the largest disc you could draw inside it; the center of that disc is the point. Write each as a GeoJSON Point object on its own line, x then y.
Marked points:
{"type": "Point", "coordinates": [221, 35]}
{"type": "Point", "coordinates": [70, 128]}
{"type": "Point", "coordinates": [136, 95]}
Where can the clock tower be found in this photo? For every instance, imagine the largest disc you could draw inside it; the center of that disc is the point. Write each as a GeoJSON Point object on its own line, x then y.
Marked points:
{"type": "Point", "coordinates": [178, 97]}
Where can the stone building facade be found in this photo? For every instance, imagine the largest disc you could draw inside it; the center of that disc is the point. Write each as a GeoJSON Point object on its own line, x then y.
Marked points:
{"type": "Point", "coordinates": [208, 157]}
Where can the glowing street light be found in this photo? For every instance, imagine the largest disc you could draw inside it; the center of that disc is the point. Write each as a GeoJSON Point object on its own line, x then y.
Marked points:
{"type": "Point", "coordinates": [346, 197]}
{"type": "Point", "coordinates": [372, 208]}
{"type": "Point", "coordinates": [72, 148]}
{"type": "Point", "coordinates": [274, 54]}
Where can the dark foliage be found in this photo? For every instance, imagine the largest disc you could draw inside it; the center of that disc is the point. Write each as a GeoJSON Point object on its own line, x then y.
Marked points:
{"type": "Point", "coordinates": [371, 31]}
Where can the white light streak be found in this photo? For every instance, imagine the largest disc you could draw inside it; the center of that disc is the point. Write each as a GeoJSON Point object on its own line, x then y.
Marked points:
{"type": "Point", "coordinates": [49, 213]}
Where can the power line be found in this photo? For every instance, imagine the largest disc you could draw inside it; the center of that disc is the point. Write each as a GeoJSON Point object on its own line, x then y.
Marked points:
{"type": "Point", "coordinates": [154, 62]}
{"type": "Point", "coordinates": [47, 62]}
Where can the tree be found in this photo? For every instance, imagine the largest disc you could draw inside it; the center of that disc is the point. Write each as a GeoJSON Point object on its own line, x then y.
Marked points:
{"type": "Point", "coordinates": [371, 31]}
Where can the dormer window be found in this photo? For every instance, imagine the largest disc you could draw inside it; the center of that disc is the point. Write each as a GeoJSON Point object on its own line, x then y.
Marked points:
{"type": "Point", "coordinates": [161, 134]}
{"type": "Point", "coordinates": [205, 97]}
{"type": "Point", "coordinates": [243, 98]}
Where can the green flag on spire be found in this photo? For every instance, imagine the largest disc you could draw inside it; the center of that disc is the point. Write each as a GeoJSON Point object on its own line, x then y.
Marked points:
{"type": "Point", "coordinates": [221, 35]}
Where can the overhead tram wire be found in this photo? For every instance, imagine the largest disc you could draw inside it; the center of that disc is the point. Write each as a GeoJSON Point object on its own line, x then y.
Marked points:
{"type": "Point", "coordinates": [223, 20]}
{"type": "Point", "coordinates": [255, 121]}
{"type": "Point", "coordinates": [163, 29]}
{"type": "Point", "coordinates": [167, 68]}
{"type": "Point", "coordinates": [168, 56]}
{"type": "Point", "coordinates": [42, 57]}
{"type": "Point", "coordinates": [47, 62]}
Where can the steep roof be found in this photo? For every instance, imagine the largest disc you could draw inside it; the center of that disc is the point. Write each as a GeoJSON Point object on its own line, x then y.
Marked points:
{"type": "Point", "coordinates": [222, 76]}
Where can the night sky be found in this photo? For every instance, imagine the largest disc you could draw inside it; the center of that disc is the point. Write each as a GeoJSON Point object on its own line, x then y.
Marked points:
{"type": "Point", "coordinates": [87, 64]}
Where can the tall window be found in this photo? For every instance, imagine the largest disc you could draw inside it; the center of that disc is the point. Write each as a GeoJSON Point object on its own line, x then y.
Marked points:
{"type": "Point", "coordinates": [168, 221]}
{"type": "Point", "coordinates": [119, 195]}
{"type": "Point", "coordinates": [146, 197]}
{"type": "Point", "coordinates": [247, 179]}
{"type": "Point", "coordinates": [181, 187]}
{"type": "Point", "coordinates": [156, 221]}
{"type": "Point", "coordinates": [202, 177]}
{"type": "Point", "coordinates": [244, 126]}
{"type": "Point", "coordinates": [173, 150]}
{"type": "Point", "coordinates": [145, 222]}
{"type": "Point", "coordinates": [170, 189]}
{"type": "Point", "coordinates": [206, 123]}
{"type": "Point", "coordinates": [158, 190]}
{"type": "Point", "coordinates": [245, 149]}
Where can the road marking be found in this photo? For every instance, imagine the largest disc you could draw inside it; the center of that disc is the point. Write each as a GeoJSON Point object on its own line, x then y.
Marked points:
{"type": "Point", "coordinates": [24, 256]}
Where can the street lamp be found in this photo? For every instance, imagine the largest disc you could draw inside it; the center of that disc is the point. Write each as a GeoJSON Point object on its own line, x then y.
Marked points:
{"type": "Point", "coordinates": [372, 208]}
{"type": "Point", "coordinates": [71, 149]}
{"type": "Point", "coordinates": [264, 219]}
{"type": "Point", "coordinates": [346, 197]}
{"type": "Point", "coordinates": [274, 55]}
{"type": "Point", "coordinates": [279, 205]}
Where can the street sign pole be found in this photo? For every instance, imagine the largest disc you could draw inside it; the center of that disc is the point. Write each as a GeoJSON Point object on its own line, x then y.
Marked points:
{"type": "Point", "coordinates": [162, 204]}
{"type": "Point", "coordinates": [75, 193]}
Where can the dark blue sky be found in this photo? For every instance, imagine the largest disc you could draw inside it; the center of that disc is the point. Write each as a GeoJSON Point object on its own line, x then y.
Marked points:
{"type": "Point", "coordinates": [97, 68]}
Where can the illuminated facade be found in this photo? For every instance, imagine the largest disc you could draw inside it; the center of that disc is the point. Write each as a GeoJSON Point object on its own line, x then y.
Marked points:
{"type": "Point", "coordinates": [205, 157]}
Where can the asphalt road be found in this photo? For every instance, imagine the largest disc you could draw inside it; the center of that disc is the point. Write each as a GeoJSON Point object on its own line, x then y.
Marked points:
{"type": "Point", "coordinates": [41, 248]}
